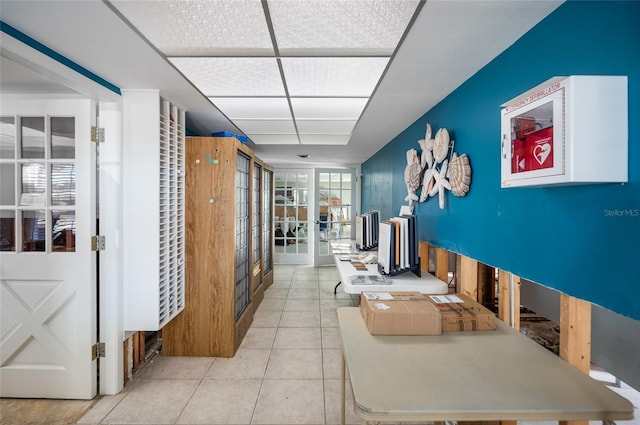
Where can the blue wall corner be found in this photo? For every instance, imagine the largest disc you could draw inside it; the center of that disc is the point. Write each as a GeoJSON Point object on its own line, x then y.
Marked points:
{"type": "Point", "coordinates": [568, 238]}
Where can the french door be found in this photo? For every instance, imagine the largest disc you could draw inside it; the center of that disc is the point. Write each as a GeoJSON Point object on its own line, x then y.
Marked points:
{"type": "Point", "coordinates": [47, 267]}
{"type": "Point", "coordinates": [334, 211]}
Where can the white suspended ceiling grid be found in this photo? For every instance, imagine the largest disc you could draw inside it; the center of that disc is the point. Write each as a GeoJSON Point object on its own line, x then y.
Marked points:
{"type": "Point", "coordinates": [284, 71]}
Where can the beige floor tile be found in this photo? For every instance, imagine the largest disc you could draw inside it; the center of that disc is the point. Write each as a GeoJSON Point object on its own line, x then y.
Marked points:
{"type": "Point", "coordinates": [281, 284]}
{"type": "Point", "coordinates": [290, 401]}
{"type": "Point", "coordinates": [153, 401]}
{"type": "Point", "coordinates": [259, 338]}
{"type": "Point", "coordinates": [266, 318]}
{"type": "Point", "coordinates": [177, 367]}
{"type": "Point", "coordinates": [289, 338]}
{"type": "Point", "coordinates": [331, 338]}
{"type": "Point", "coordinates": [328, 319]}
{"type": "Point", "coordinates": [276, 293]}
{"type": "Point", "coordinates": [326, 292]}
{"type": "Point", "coordinates": [332, 403]}
{"type": "Point", "coordinates": [332, 305]}
{"type": "Point", "coordinates": [304, 284]}
{"type": "Point", "coordinates": [301, 305]}
{"type": "Point", "coordinates": [304, 293]}
{"type": "Point", "coordinates": [222, 402]}
{"type": "Point", "coordinates": [295, 364]}
{"type": "Point", "coordinates": [272, 304]}
{"type": "Point", "coordinates": [246, 364]}
{"type": "Point", "coordinates": [331, 363]}
{"type": "Point", "coordinates": [300, 319]}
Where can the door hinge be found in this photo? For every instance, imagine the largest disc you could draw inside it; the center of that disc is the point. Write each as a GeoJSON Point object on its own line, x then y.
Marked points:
{"type": "Point", "coordinates": [97, 134]}
{"type": "Point", "coordinates": [97, 243]}
{"type": "Point", "coordinates": [97, 350]}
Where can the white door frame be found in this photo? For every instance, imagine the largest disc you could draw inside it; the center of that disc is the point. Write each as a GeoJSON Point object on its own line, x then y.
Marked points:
{"type": "Point", "coordinates": [110, 201]}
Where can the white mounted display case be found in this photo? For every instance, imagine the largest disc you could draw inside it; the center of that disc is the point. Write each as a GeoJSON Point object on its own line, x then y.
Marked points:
{"type": "Point", "coordinates": [153, 210]}
{"type": "Point", "coordinates": [568, 130]}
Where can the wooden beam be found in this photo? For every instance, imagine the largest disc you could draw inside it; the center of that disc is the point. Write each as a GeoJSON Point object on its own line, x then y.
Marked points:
{"type": "Point", "coordinates": [575, 336]}
{"type": "Point", "coordinates": [467, 279]}
{"type": "Point", "coordinates": [442, 264]}
{"type": "Point", "coordinates": [423, 249]}
{"type": "Point", "coordinates": [505, 295]}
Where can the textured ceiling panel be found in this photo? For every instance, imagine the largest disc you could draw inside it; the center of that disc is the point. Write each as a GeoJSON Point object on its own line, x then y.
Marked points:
{"type": "Point", "coordinates": [325, 127]}
{"type": "Point", "coordinates": [232, 76]}
{"type": "Point", "coordinates": [328, 108]}
{"type": "Point", "coordinates": [339, 27]}
{"type": "Point", "coordinates": [332, 76]}
{"type": "Point", "coordinates": [201, 27]}
{"type": "Point", "coordinates": [274, 139]}
{"type": "Point", "coordinates": [253, 107]}
{"type": "Point", "coordinates": [266, 126]}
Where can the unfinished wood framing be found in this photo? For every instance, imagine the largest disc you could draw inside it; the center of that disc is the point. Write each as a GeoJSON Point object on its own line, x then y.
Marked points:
{"type": "Point", "coordinates": [505, 295]}
{"type": "Point", "coordinates": [442, 264]}
{"type": "Point", "coordinates": [486, 285]}
{"type": "Point", "coordinates": [467, 278]}
{"type": "Point", "coordinates": [575, 336]}
{"type": "Point", "coordinates": [423, 249]}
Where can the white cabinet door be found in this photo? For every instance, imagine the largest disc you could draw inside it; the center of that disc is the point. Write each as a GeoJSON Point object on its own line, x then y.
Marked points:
{"type": "Point", "coordinates": [47, 268]}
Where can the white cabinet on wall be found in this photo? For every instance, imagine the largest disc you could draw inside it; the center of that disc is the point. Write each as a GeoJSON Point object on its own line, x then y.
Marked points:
{"type": "Point", "coordinates": [153, 210]}
{"type": "Point", "coordinates": [568, 130]}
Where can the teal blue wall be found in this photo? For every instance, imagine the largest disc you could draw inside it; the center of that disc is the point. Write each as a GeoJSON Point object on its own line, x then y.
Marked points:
{"type": "Point", "coordinates": [561, 237]}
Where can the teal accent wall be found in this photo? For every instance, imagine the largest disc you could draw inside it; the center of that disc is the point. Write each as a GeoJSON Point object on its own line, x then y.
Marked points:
{"type": "Point", "coordinates": [568, 238]}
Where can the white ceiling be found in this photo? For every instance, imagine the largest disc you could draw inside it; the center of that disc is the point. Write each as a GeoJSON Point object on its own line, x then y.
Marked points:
{"type": "Point", "coordinates": [261, 68]}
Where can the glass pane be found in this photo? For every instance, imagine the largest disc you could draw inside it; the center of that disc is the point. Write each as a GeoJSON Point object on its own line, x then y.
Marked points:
{"type": "Point", "coordinates": [63, 231]}
{"type": "Point", "coordinates": [34, 180]}
{"type": "Point", "coordinates": [32, 131]}
{"type": "Point", "coordinates": [63, 184]}
{"type": "Point", "coordinates": [7, 230]}
{"type": "Point", "coordinates": [7, 137]}
{"type": "Point", "coordinates": [323, 180]}
{"type": "Point", "coordinates": [346, 180]}
{"type": "Point", "coordinates": [63, 143]}
{"type": "Point", "coordinates": [346, 197]}
{"type": "Point", "coordinates": [33, 230]}
{"type": "Point", "coordinates": [8, 186]}
{"type": "Point", "coordinates": [302, 181]}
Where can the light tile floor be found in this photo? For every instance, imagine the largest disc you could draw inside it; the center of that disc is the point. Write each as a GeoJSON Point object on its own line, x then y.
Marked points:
{"type": "Point", "coordinates": [287, 371]}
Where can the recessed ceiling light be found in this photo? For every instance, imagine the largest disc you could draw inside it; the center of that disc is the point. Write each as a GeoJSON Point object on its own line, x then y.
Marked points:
{"type": "Point", "coordinates": [303, 155]}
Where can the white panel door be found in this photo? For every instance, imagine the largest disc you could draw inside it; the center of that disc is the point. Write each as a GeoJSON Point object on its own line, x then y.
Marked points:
{"type": "Point", "coordinates": [47, 269]}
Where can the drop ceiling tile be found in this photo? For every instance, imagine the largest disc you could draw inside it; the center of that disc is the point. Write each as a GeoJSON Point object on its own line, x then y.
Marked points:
{"type": "Point", "coordinates": [328, 108]}
{"type": "Point", "coordinates": [253, 107]}
{"type": "Point", "coordinates": [201, 27]}
{"type": "Point", "coordinates": [325, 127]}
{"type": "Point", "coordinates": [232, 76]}
{"type": "Point", "coordinates": [333, 76]}
{"type": "Point", "coordinates": [266, 126]}
{"type": "Point", "coordinates": [340, 27]}
{"type": "Point", "coordinates": [324, 139]}
{"type": "Point", "coordinates": [274, 139]}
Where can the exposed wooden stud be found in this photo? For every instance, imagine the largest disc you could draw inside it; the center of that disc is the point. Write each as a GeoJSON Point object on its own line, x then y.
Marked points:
{"type": "Point", "coordinates": [442, 264]}
{"type": "Point", "coordinates": [423, 249]}
{"type": "Point", "coordinates": [575, 332]}
{"type": "Point", "coordinates": [575, 336]}
{"type": "Point", "coordinates": [505, 310]}
{"type": "Point", "coordinates": [467, 277]}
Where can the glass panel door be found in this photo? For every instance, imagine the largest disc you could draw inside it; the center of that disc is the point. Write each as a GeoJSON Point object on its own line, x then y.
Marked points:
{"type": "Point", "coordinates": [335, 211]}
{"type": "Point", "coordinates": [291, 217]}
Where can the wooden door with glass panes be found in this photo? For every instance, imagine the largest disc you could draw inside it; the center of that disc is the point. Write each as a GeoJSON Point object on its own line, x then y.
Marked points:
{"type": "Point", "coordinates": [47, 268]}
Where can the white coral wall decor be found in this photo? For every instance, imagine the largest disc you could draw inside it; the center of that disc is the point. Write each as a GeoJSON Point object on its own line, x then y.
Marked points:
{"type": "Point", "coordinates": [412, 176]}
{"type": "Point", "coordinates": [443, 169]}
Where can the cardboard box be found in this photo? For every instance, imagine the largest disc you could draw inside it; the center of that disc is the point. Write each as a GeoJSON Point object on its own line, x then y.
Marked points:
{"type": "Point", "coordinates": [464, 315]}
{"type": "Point", "coordinates": [399, 313]}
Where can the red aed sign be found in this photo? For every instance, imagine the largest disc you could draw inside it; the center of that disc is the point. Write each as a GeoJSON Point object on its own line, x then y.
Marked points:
{"type": "Point", "coordinates": [533, 151]}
